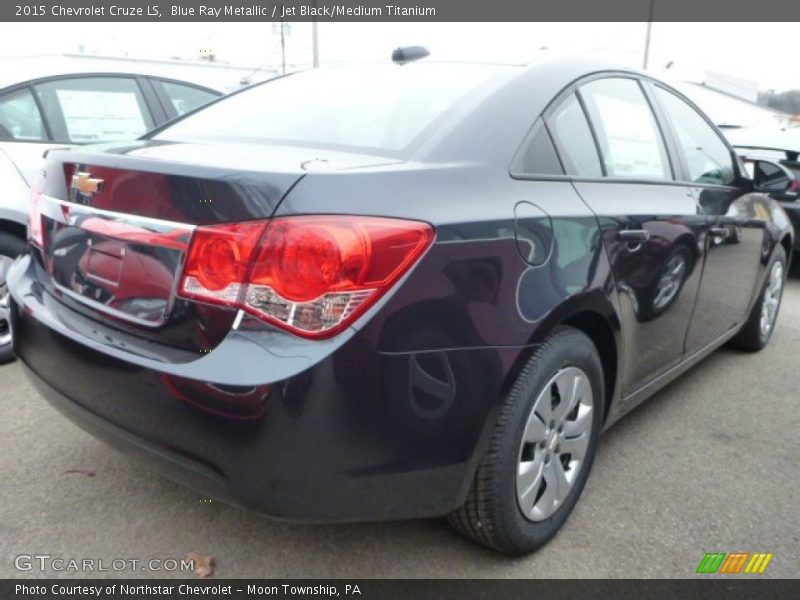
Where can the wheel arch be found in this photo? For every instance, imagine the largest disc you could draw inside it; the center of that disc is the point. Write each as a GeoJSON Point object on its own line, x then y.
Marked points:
{"type": "Point", "coordinates": [599, 330]}
{"type": "Point", "coordinates": [593, 314]}
{"type": "Point", "coordinates": [590, 312]}
{"type": "Point", "coordinates": [14, 228]}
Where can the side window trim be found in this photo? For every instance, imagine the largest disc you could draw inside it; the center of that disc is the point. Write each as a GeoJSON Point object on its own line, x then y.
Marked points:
{"type": "Point", "coordinates": [597, 146]}
{"type": "Point", "coordinates": [158, 113]}
{"type": "Point", "coordinates": [45, 121]}
{"type": "Point", "coordinates": [517, 171]}
{"type": "Point", "coordinates": [163, 99]}
{"type": "Point", "coordinates": [563, 97]}
{"type": "Point", "coordinates": [58, 121]}
{"type": "Point", "coordinates": [666, 138]}
{"type": "Point", "coordinates": [546, 128]}
{"type": "Point", "coordinates": [680, 170]}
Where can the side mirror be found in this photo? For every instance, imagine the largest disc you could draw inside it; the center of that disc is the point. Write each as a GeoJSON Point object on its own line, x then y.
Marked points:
{"type": "Point", "coordinates": [774, 178]}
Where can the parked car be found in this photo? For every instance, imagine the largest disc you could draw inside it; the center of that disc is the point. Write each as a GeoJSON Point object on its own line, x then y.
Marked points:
{"type": "Point", "coordinates": [392, 292]}
{"type": "Point", "coordinates": [777, 156]}
{"type": "Point", "coordinates": [67, 108]}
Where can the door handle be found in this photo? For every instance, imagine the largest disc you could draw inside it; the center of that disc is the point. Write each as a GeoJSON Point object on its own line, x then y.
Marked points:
{"type": "Point", "coordinates": [633, 236]}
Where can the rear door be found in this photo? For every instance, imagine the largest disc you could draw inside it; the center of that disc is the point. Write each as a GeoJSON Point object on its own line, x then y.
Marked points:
{"type": "Point", "coordinates": [736, 232]}
{"type": "Point", "coordinates": [650, 223]}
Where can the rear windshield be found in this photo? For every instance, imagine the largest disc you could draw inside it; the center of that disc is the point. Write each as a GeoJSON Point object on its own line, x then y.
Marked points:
{"type": "Point", "coordinates": [383, 109]}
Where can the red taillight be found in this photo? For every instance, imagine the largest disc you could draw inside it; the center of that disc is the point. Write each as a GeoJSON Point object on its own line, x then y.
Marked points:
{"type": "Point", "coordinates": [311, 275]}
{"type": "Point", "coordinates": [217, 264]}
{"type": "Point", "coordinates": [35, 229]}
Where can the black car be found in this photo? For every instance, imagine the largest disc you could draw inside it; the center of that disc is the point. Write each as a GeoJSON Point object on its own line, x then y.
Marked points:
{"type": "Point", "coordinates": [777, 172]}
{"type": "Point", "coordinates": [395, 292]}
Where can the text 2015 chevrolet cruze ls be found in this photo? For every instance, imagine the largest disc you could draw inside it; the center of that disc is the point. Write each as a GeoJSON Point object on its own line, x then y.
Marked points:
{"type": "Point", "coordinates": [395, 291]}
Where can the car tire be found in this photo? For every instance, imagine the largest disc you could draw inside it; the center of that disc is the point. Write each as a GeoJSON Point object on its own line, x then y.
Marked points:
{"type": "Point", "coordinates": [522, 444]}
{"type": "Point", "coordinates": [757, 330]}
{"type": "Point", "coordinates": [6, 345]}
{"type": "Point", "coordinates": [12, 245]}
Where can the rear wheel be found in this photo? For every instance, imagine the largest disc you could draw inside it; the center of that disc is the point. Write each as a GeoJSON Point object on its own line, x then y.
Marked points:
{"type": "Point", "coordinates": [541, 450]}
{"type": "Point", "coordinates": [757, 331]}
{"type": "Point", "coordinates": [6, 346]}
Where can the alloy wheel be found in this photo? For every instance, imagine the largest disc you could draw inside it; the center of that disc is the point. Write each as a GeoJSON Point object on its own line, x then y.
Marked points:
{"type": "Point", "coordinates": [772, 299]}
{"type": "Point", "coordinates": [5, 317]}
{"type": "Point", "coordinates": [670, 282]}
{"type": "Point", "coordinates": [554, 443]}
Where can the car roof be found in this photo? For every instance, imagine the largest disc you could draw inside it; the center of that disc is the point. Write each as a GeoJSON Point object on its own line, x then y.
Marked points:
{"type": "Point", "coordinates": [7, 82]}
{"type": "Point", "coordinates": [488, 126]}
{"type": "Point", "coordinates": [214, 76]}
{"type": "Point", "coordinates": [490, 131]}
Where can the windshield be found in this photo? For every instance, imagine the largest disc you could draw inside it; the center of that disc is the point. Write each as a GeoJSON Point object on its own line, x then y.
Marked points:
{"type": "Point", "coordinates": [379, 109]}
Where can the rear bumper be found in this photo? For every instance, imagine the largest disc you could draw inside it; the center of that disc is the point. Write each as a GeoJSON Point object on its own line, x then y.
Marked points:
{"type": "Point", "coordinates": [326, 433]}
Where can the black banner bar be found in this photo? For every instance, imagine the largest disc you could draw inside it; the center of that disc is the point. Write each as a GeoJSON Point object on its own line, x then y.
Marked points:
{"type": "Point", "coordinates": [730, 588]}
{"type": "Point", "coordinates": [399, 10]}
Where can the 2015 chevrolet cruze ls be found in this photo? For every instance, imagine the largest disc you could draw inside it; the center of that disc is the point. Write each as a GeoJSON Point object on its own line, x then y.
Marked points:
{"type": "Point", "coordinates": [395, 291]}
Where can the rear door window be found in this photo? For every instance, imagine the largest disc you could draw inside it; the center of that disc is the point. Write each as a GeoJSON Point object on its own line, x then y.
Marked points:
{"type": "Point", "coordinates": [20, 119]}
{"type": "Point", "coordinates": [85, 110]}
{"type": "Point", "coordinates": [629, 137]}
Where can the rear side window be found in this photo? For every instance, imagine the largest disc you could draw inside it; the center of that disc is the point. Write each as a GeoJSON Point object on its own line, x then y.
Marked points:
{"type": "Point", "coordinates": [707, 156]}
{"type": "Point", "coordinates": [539, 157]}
{"type": "Point", "coordinates": [20, 118]}
{"type": "Point", "coordinates": [85, 110]}
{"type": "Point", "coordinates": [370, 108]}
{"type": "Point", "coordinates": [185, 98]}
{"type": "Point", "coordinates": [629, 137]}
{"type": "Point", "coordinates": [574, 139]}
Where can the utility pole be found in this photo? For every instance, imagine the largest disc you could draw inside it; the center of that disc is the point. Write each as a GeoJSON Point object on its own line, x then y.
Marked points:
{"type": "Point", "coordinates": [315, 38]}
{"type": "Point", "coordinates": [283, 50]}
{"type": "Point", "coordinates": [647, 36]}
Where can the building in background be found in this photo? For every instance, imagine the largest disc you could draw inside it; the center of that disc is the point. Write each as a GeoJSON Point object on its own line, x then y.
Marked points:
{"type": "Point", "coordinates": [730, 101]}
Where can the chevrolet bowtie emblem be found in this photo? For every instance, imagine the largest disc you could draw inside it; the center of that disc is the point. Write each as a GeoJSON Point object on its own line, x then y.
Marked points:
{"type": "Point", "coordinates": [85, 184]}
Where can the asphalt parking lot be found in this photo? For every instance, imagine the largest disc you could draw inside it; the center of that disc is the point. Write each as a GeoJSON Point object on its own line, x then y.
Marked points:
{"type": "Point", "coordinates": [709, 464]}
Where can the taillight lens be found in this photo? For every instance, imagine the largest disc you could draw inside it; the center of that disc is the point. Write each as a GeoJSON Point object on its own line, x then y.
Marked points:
{"type": "Point", "coordinates": [217, 264]}
{"type": "Point", "coordinates": [311, 275]}
{"type": "Point", "coordinates": [35, 228]}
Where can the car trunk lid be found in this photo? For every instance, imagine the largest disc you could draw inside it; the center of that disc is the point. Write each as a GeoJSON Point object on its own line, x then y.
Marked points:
{"type": "Point", "coordinates": [116, 226]}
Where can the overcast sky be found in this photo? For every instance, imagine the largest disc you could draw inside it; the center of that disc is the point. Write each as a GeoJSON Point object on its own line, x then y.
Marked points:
{"type": "Point", "coordinates": [761, 52]}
